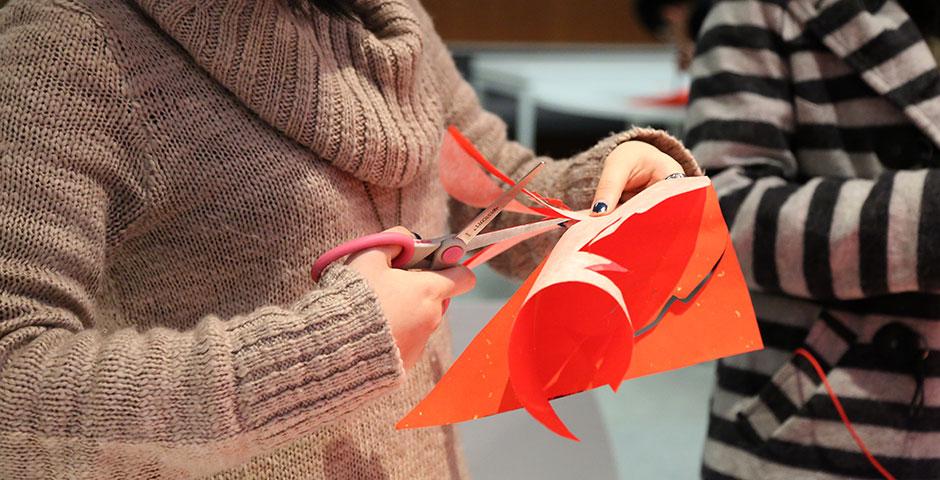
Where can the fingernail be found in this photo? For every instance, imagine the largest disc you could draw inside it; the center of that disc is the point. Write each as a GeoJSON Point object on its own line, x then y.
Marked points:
{"type": "Point", "coordinates": [599, 207]}
{"type": "Point", "coordinates": [415, 234]}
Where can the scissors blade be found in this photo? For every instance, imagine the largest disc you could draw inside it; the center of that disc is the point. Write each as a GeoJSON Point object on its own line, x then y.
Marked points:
{"type": "Point", "coordinates": [489, 213]}
{"type": "Point", "coordinates": [489, 238]}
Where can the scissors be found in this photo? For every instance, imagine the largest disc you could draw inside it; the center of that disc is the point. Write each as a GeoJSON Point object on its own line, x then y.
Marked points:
{"type": "Point", "coordinates": [446, 251]}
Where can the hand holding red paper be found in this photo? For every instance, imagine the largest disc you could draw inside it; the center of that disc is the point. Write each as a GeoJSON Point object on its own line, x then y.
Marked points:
{"type": "Point", "coordinates": [630, 168]}
{"type": "Point", "coordinates": [651, 287]}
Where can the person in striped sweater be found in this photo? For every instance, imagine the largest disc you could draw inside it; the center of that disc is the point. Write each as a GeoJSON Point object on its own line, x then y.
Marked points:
{"type": "Point", "coordinates": [820, 123]}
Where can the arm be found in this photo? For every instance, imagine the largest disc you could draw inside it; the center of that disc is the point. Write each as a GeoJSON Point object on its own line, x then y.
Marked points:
{"type": "Point", "coordinates": [79, 401]}
{"type": "Point", "coordinates": [824, 238]}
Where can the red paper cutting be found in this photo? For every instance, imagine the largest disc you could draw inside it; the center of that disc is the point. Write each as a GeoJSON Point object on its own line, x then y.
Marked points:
{"type": "Point", "coordinates": [677, 99]}
{"type": "Point", "coordinates": [651, 287]}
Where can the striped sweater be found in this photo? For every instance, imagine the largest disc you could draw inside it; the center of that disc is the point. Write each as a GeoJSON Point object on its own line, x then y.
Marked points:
{"type": "Point", "coordinates": [820, 121]}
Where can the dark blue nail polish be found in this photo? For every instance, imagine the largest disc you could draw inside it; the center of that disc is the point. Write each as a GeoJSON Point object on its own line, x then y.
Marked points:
{"type": "Point", "coordinates": [599, 207]}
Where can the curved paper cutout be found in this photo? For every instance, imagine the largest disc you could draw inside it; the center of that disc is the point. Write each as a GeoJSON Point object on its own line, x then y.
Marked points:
{"type": "Point", "coordinates": [552, 353]}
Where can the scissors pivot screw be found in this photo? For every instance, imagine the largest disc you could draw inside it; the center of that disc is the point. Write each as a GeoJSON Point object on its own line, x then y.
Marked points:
{"type": "Point", "coordinates": [452, 255]}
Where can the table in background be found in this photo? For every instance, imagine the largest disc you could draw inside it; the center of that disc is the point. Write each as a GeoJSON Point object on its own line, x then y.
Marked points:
{"type": "Point", "coordinates": [597, 83]}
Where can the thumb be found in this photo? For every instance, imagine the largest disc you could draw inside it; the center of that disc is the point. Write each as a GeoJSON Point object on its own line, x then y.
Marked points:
{"type": "Point", "coordinates": [614, 178]}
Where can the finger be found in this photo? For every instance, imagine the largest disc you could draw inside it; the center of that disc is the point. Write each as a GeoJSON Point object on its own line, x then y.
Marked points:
{"type": "Point", "coordinates": [616, 174]}
{"type": "Point", "coordinates": [450, 282]}
{"type": "Point", "coordinates": [384, 254]}
{"type": "Point", "coordinates": [665, 166]}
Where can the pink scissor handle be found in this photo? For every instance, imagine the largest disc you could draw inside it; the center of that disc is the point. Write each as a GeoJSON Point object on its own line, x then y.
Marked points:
{"type": "Point", "coordinates": [383, 239]}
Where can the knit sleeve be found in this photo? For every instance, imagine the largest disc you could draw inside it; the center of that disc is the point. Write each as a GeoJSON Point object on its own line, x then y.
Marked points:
{"type": "Point", "coordinates": [573, 180]}
{"type": "Point", "coordinates": [77, 401]}
{"type": "Point", "coordinates": [823, 238]}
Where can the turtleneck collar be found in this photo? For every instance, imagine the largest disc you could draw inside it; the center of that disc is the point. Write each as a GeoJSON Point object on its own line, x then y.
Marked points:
{"type": "Point", "coordinates": [348, 88]}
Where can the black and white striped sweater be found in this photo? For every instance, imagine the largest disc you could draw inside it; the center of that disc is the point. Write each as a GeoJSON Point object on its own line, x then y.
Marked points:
{"type": "Point", "coordinates": [822, 122]}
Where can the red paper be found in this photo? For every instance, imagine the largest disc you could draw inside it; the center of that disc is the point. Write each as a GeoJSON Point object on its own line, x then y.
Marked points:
{"type": "Point", "coordinates": [465, 181]}
{"type": "Point", "coordinates": [675, 99]}
{"type": "Point", "coordinates": [651, 287]}
{"type": "Point", "coordinates": [464, 172]}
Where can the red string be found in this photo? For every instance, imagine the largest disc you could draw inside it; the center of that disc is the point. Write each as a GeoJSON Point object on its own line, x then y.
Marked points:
{"type": "Point", "coordinates": [845, 419]}
{"type": "Point", "coordinates": [468, 147]}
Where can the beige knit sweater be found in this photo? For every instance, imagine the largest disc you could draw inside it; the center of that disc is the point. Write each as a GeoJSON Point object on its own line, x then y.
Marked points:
{"type": "Point", "coordinates": [168, 171]}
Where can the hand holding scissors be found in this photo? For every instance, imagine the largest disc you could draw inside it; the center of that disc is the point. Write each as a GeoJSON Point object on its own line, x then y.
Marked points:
{"type": "Point", "coordinates": [442, 252]}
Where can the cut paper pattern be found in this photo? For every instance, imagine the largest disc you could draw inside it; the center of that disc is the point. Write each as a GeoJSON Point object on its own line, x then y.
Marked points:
{"type": "Point", "coordinates": [654, 286]}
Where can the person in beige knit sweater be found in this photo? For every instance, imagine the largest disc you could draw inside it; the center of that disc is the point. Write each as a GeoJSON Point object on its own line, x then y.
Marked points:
{"type": "Point", "coordinates": [168, 171]}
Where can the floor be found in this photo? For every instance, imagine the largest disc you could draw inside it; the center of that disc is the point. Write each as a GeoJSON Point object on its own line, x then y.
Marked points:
{"type": "Point", "coordinates": [653, 428]}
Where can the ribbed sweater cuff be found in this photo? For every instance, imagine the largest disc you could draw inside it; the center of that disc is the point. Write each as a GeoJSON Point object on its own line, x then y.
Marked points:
{"type": "Point", "coordinates": [586, 168]}
{"type": "Point", "coordinates": [334, 352]}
